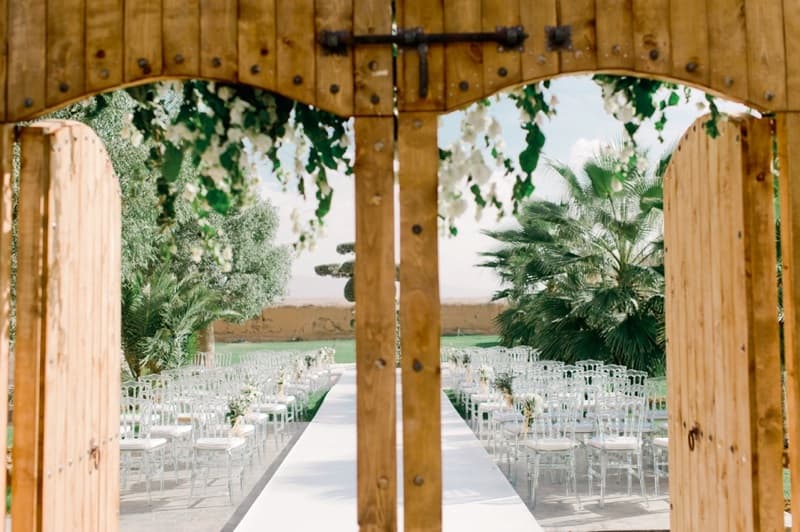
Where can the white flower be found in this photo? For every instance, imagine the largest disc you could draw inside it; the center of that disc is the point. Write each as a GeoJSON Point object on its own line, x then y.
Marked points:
{"type": "Point", "coordinates": [495, 129]}
{"type": "Point", "coordinates": [146, 290]}
{"type": "Point", "coordinates": [553, 101]}
{"type": "Point", "coordinates": [227, 254]}
{"type": "Point", "coordinates": [480, 172]}
{"type": "Point", "coordinates": [262, 143]}
{"type": "Point", "coordinates": [237, 110]}
{"type": "Point", "coordinates": [176, 133]}
{"type": "Point", "coordinates": [701, 106]}
{"type": "Point", "coordinates": [235, 134]}
{"type": "Point", "coordinates": [202, 107]}
{"type": "Point", "coordinates": [616, 185]}
{"type": "Point", "coordinates": [189, 192]}
{"type": "Point", "coordinates": [225, 93]}
{"type": "Point", "coordinates": [197, 254]}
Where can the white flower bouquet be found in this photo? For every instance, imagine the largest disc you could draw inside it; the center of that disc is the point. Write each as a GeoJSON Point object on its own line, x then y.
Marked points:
{"type": "Point", "coordinates": [532, 406]}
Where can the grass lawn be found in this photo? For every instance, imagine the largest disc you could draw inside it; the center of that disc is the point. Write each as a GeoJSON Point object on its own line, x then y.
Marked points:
{"type": "Point", "coordinates": [345, 349]}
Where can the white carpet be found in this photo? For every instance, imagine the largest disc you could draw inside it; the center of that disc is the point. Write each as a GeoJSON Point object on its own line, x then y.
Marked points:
{"type": "Point", "coordinates": [315, 486]}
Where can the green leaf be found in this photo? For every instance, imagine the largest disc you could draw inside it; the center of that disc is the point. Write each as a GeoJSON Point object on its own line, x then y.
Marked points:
{"type": "Point", "coordinates": [173, 159]}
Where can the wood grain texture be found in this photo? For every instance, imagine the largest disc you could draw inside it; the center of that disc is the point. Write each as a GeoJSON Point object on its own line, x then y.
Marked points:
{"type": "Point", "coordinates": [374, 77]}
{"type": "Point", "coordinates": [721, 303]}
{"type": "Point", "coordinates": [219, 40]}
{"type": "Point", "coordinates": [257, 44]}
{"type": "Point", "coordinates": [615, 34]}
{"type": "Point", "coordinates": [727, 45]}
{"type": "Point", "coordinates": [789, 187]}
{"type": "Point", "coordinates": [334, 72]}
{"type": "Point", "coordinates": [104, 44]}
{"type": "Point", "coordinates": [295, 47]}
{"type": "Point", "coordinates": [791, 25]}
{"type": "Point", "coordinates": [428, 15]}
{"type": "Point", "coordinates": [651, 36]}
{"type": "Point", "coordinates": [181, 21]}
{"type": "Point", "coordinates": [501, 67]}
{"type": "Point", "coordinates": [6, 213]}
{"type": "Point", "coordinates": [537, 60]}
{"type": "Point", "coordinates": [766, 57]}
{"type": "Point", "coordinates": [26, 58]}
{"type": "Point", "coordinates": [580, 15]}
{"type": "Point", "coordinates": [464, 61]}
{"type": "Point", "coordinates": [143, 39]}
{"type": "Point", "coordinates": [420, 321]}
{"type": "Point", "coordinates": [66, 57]}
{"type": "Point", "coordinates": [689, 51]}
{"type": "Point", "coordinates": [375, 324]}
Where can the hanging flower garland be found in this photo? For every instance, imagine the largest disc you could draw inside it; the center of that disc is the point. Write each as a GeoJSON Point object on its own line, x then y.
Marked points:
{"type": "Point", "coordinates": [228, 131]}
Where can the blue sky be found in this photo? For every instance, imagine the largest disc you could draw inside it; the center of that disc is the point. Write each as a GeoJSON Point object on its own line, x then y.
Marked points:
{"type": "Point", "coordinates": [580, 126]}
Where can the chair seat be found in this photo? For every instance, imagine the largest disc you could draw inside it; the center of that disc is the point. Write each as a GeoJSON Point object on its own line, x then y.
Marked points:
{"type": "Point", "coordinates": [219, 444]}
{"type": "Point", "coordinates": [170, 431]}
{"type": "Point", "coordinates": [514, 428]}
{"type": "Point", "coordinates": [585, 427]}
{"type": "Point", "coordinates": [507, 416]}
{"type": "Point", "coordinates": [550, 444]}
{"type": "Point", "coordinates": [480, 397]}
{"type": "Point", "coordinates": [615, 443]}
{"type": "Point", "coordinates": [136, 418]}
{"type": "Point", "coordinates": [661, 442]}
{"type": "Point", "coordinates": [273, 408]}
{"type": "Point", "coordinates": [142, 444]}
{"type": "Point", "coordinates": [256, 417]}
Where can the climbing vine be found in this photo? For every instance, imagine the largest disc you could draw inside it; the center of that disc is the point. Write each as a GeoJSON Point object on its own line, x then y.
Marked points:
{"type": "Point", "coordinates": [228, 132]}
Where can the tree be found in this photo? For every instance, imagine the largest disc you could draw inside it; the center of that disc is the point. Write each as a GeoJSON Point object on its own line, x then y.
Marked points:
{"type": "Point", "coordinates": [344, 270]}
{"type": "Point", "coordinates": [584, 277]}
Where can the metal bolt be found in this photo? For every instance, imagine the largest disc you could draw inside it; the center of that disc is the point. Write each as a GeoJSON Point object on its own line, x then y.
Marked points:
{"type": "Point", "coordinates": [334, 88]}
{"type": "Point", "coordinates": [654, 54]}
{"type": "Point", "coordinates": [616, 49]}
{"type": "Point", "coordinates": [144, 65]}
{"type": "Point", "coordinates": [417, 123]}
{"type": "Point", "coordinates": [104, 73]}
{"type": "Point", "coordinates": [463, 85]}
{"type": "Point", "coordinates": [502, 72]}
{"type": "Point", "coordinates": [255, 69]}
{"type": "Point", "coordinates": [379, 146]}
{"type": "Point", "coordinates": [769, 96]}
{"type": "Point", "coordinates": [63, 86]}
{"type": "Point", "coordinates": [383, 483]}
{"type": "Point", "coordinates": [728, 81]}
{"type": "Point", "coordinates": [691, 66]}
{"type": "Point", "coordinates": [375, 99]}
{"type": "Point", "coordinates": [297, 80]}
{"type": "Point", "coordinates": [380, 363]}
{"type": "Point", "coordinates": [264, 51]}
{"type": "Point", "coordinates": [216, 62]}
{"type": "Point", "coordinates": [418, 480]}
{"type": "Point", "coordinates": [760, 177]}
{"type": "Point", "coordinates": [416, 229]}
{"type": "Point", "coordinates": [100, 54]}
{"type": "Point", "coordinates": [417, 365]}
{"type": "Point", "coordinates": [28, 102]}
{"type": "Point", "coordinates": [179, 59]}
{"type": "Point", "coordinates": [541, 59]}
{"type": "Point", "coordinates": [372, 65]}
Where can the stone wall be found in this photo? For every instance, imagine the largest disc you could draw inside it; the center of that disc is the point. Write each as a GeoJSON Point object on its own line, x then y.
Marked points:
{"type": "Point", "coordinates": [317, 322]}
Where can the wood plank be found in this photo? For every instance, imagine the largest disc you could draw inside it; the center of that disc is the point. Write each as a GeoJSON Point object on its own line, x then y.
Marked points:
{"type": "Point", "coordinates": [537, 61]}
{"type": "Point", "coordinates": [428, 15]}
{"type": "Point", "coordinates": [181, 22]}
{"type": "Point", "coordinates": [26, 481]}
{"type": "Point", "coordinates": [690, 51]}
{"type": "Point", "coordinates": [374, 83]}
{"type": "Point", "coordinates": [6, 212]}
{"type": "Point", "coordinates": [420, 321]}
{"type": "Point", "coordinates": [335, 72]}
{"type": "Point", "coordinates": [296, 69]}
{"type": "Point", "coordinates": [257, 45]}
{"type": "Point", "coordinates": [4, 37]}
{"type": "Point", "coordinates": [766, 57]}
{"type": "Point", "coordinates": [763, 342]}
{"type": "Point", "coordinates": [727, 45]}
{"type": "Point", "coordinates": [143, 39]}
{"type": "Point", "coordinates": [651, 36]}
{"type": "Point", "coordinates": [501, 67]}
{"type": "Point", "coordinates": [791, 20]}
{"type": "Point", "coordinates": [615, 34]}
{"type": "Point", "coordinates": [464, 61]}
{"type": "Point", "coordinates": [66, 57]}
{"type": "Point", "coordinates": [375, 324]}
{"type": "Point", "coordinates": [104, 44]}
{"type": "Point", "coordinates": [789, 188]}
{"type": "Point", "coordinates": [580, 15]}
{"type": "Point", "coordinates": [26, 59]}
{"type": "Point", "coordinates": [219, 39]}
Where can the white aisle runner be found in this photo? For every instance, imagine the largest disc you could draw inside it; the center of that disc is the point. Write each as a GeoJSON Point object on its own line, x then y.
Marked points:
{"type": "Point", "coordinates": [315, 487]}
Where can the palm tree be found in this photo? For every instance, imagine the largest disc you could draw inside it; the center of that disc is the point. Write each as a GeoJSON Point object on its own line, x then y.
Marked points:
{"type": "Point", "coordinates": [584, 277]}
{"type": "Point", "coordinates": [160, 315]}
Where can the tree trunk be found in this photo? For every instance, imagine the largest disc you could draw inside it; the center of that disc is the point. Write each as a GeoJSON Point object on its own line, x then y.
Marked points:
{"type": "Point", "coordinates": [205, 339]}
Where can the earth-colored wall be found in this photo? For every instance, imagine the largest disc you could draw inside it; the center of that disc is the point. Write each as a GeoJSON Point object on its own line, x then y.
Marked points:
{"type": "Point", "coordinates": [316, 322]}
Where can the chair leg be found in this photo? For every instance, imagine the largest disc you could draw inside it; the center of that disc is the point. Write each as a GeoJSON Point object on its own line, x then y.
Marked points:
{"type": "Point", "coordinates": [603, 472]}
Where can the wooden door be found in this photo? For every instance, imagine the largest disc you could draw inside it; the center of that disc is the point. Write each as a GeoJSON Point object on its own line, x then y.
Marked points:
{"type": "Point", "coordinates": [67, 372]}
{"type": "Point", "coordinates": [723, 361]}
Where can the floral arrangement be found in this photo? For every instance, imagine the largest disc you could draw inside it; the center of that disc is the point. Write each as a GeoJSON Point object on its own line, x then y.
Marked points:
{"type": "Point", "coordinates": [532, 406]}
{"type": "Point", "coordinates": [454, 359]}
{"type": "Point", "coordinates": [466, 359]}
{"type": "Point", "coordinates": [239, 406]}
{"type": "Point", "coordinates": [281, 378]}
{"type": "Point", "coordinates": [310, 360]}
{"type": "Point", "coordinates": [485, 373]}
{"type": "Point", "coordinates": [503, 383]}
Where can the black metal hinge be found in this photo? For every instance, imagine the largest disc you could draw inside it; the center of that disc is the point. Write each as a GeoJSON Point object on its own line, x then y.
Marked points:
{"type": "Point", "coordinates": [338, 42]}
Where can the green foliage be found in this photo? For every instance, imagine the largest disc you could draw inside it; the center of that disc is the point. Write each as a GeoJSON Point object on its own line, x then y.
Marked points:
{"type": "Point", "coordinates": [584, 278]}
{"type": "Point", "coordinates": [504, 382]}
{"type": "Point", "coordinates": [160, 313]}
{"type": "Point", "coordinates": [344, 270]}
